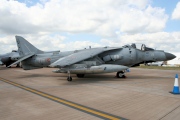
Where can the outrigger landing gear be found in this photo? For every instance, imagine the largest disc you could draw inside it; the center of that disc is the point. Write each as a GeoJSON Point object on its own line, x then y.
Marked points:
{"type": "Point", "coordinates": [120, 74]}
{"type": "Point", "coordinates": [69, 78]}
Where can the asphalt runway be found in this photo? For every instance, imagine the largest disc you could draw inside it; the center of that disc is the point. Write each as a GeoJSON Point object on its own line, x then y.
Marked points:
{"type": "Point", "coordinates": [40, 94]}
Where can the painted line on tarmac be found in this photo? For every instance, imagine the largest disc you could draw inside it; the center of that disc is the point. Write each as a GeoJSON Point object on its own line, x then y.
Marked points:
{"type": "Point", "coordinates": [91, 111]}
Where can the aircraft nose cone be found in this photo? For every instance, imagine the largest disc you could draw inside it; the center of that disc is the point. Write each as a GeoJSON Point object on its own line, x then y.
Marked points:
{"type": "Point", "coordinates": [169, 56]}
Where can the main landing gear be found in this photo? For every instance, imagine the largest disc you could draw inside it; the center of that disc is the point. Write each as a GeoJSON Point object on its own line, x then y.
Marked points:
{"type": "Point", "coordinates": [120, 74]}
{"type": "Point", "coordinates": [69, 78]}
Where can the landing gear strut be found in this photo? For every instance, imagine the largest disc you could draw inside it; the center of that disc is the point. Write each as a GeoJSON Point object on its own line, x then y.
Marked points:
{"type": "Point", "coordinates": [69, 78]}
{"type": "Point", "coordinates": [120, 74]}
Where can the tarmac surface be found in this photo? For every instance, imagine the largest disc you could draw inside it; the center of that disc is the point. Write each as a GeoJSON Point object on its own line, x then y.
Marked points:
{"type": "Point", "coordinates": [43, 95]}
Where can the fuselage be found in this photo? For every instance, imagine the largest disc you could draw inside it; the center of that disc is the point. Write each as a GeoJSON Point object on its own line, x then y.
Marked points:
{"type": "Point", "coordinates": [130, 56]}
{"type": "Point", "coordinates": [44, 60]}
{"type": "Point", "coordinates": [127, 56]}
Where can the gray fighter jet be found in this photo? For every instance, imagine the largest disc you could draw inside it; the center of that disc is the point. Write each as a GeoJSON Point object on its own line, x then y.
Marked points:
{"type": "Point", "coordinates": [89, 61]}
{"type": "Point", "coordinates": [9, 58]}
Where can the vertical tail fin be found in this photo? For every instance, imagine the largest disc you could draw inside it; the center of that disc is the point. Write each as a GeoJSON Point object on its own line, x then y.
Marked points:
{"type": "Point", "coordinates": [25, 48]}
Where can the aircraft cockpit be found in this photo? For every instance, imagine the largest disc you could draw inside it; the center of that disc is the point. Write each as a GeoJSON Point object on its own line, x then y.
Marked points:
{"type": "Point", "coordinates": [139, 46]}
{"type": "Point", "coordinates": [14, 50]}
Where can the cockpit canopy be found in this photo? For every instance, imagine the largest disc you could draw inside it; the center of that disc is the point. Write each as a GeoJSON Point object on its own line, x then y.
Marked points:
{"type": "Point", "coordinates": [14, 50]}
{"type": "Point", "coordinates": [139, 46]}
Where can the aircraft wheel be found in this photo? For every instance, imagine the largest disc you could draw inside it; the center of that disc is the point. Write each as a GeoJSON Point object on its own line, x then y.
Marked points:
{"type": "Point", "coordinates": [120, 74]}
{"type": "Point", "coordinates": [69, 78]}
{"type": "Point", "coordinates": [80, 75]}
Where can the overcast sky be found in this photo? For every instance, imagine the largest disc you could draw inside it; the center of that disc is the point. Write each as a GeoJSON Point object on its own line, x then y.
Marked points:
{"type": "Point", "coordinates": [76, 24]}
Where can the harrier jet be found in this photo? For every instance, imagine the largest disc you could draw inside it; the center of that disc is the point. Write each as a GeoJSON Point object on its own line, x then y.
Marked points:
{"type": "Point", "coordinates": [89, 61]}
{"type": "Point", "coordinates": [9, 58]}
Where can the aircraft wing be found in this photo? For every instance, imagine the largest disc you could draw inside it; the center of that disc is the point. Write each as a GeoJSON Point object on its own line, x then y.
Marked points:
{"type": "Point", "coordinates": [80, 56]}
{"type": "Point", "coordinates": [23, 58]}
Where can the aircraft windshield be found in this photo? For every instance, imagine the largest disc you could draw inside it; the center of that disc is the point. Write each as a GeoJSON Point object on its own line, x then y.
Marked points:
{"type": "Point", "coordinates": [14, 50]}
{"type": "Point", "coordinates": [139, 46]}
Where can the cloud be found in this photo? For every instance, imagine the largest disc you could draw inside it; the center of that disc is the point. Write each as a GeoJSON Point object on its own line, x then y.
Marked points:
{"type": "Point", "coordinates": [117, 22]}
{"type": "Point", "coordinates": [176, 12]}
{"type": "Point", "coordinates": [43, 42]}
{"type": "Point", "coordinates": [159, 40]}
{"type": "Point", "coordinates": [92, 16]}
{"type": "Point", "coordinates": [15, 19]}
{"type": "Point", "coordinates": [46, 43]}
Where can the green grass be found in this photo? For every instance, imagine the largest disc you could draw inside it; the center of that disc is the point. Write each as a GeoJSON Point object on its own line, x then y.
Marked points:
{"type": "Point", "coordinates": [159, 67]}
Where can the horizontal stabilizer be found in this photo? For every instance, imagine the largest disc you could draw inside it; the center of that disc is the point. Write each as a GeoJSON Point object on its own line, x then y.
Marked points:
{"type": "Point", "coordinates": [23, 58]}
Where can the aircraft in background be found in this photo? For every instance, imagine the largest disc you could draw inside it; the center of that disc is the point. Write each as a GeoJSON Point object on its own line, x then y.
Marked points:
{"type": "Point", "coordinates": [89, 61]}
{"type": "Point", "coordinates": [9, 58]}
{"type": "Point", "coordinates": [170, 65]}
{"type": "Point", "coordinates": [158, 63]}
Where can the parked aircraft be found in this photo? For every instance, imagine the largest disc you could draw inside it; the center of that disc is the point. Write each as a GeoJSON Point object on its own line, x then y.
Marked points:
{"type": "Point", "coordinates": [9, 58]}
{"type": "Point", "coordinates": [159, 63]}
{"type": "Point", "coordinates": [89, 61]}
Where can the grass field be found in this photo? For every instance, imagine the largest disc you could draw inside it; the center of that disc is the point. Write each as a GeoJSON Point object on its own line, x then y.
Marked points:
{"type": "Point", "coordinates": [159, 67]}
